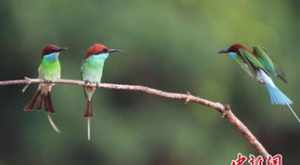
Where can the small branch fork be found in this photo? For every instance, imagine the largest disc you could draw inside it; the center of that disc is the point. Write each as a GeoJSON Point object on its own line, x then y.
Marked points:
{"type": "Point", "coordinates": [225, 110]}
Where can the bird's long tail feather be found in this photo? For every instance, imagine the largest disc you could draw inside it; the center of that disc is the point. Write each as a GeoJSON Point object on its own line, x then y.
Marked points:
{"type": "Point", "coordinates": [48, 103]}
{"type": "Point", "coordinates": [88, 110]}
{"type": "Point", "coordinates": [42, 99]}
{"type": "Point", "coordinates": [53, 125]}
{"type": "Point", "coordinates": [36, 101]}
{"type": "Point", "coordinates": [276, 95]}
{"type": "Point", "coordinates": [294, 113]}
{"type": "Point", "coordinates": [89, 127]}
{"type": "Point", "coordinates": [50, 109]}
{"type": "Point", "coordinates": [88, 114]}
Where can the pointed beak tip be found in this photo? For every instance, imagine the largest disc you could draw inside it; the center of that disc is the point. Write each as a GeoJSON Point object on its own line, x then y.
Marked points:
{"type": "Point", "coordinates": [222, 51]}
{"type": "Point", "coordinates": [63, 49]}
{"type": "Point", "coordinates": [115, 51]}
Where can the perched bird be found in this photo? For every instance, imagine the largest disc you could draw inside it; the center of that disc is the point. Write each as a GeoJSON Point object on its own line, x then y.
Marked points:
{"type": "Point", "coordinates": [91, 72]}
{"type": "Point", "coordinates": [49, 70]}
{"type": "Point", "coordinates": [256, 62]}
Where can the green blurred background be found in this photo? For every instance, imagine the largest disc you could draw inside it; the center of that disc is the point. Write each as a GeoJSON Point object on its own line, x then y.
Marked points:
{"type": "Point", "coordinates": [169, 45]}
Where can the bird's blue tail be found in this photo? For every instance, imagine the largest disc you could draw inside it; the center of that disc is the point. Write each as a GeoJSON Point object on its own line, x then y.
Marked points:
{"type": "Point", "coordinates": [278, 97]}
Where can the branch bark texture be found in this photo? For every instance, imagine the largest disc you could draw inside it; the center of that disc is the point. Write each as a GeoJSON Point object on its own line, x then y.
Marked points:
{"type": "Point", "coordinates": [224, 110]}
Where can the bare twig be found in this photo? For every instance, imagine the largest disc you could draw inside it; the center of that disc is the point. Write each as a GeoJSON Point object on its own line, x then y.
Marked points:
{"type": "Point", "coordinates": [225, 110]}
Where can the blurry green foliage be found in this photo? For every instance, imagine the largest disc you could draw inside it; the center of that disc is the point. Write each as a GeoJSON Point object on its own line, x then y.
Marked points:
{"type": "Point", "coordinates": [170, 45]}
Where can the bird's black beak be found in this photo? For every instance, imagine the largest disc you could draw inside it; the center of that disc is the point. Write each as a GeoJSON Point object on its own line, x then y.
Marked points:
{"type": "Point", "coordinates": [62, 49]}
{"type": "Point", "coordinates": [114, 51]}
{"type": "Point", "coordinates": [223, 51]}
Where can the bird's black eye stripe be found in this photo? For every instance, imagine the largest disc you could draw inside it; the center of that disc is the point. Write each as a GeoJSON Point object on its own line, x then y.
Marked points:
{"type": "Point", "coordinates": [105, 50]}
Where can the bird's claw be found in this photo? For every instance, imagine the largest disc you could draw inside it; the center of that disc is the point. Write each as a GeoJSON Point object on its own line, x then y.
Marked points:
{"type": "Point", "coordinates": [48, 81]}
{"type": "Point", "coordinates": [88, 83]}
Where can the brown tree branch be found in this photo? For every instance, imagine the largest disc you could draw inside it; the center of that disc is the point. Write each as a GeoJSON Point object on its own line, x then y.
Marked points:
{"type": "Point", "coordinates": [225, 110]}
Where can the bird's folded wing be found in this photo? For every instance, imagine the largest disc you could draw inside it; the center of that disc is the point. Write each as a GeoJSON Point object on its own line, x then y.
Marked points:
{"type": "Point", "coordinates": [253, 61]}
{"type": "Point", "coordinates": [246, 64]}
{"type": "Point", "coordinates": [246, 68]}
{"type": "Point", "coordinates": [267, 63]}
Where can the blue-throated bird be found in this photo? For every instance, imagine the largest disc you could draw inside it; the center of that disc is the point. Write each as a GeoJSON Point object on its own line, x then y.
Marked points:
{"type": "Point", "coordinates": [49, 70]}
{"type": "Point", "coordinates": [256, 62]}
{"type": "Point", "coordinates": [91, 72]}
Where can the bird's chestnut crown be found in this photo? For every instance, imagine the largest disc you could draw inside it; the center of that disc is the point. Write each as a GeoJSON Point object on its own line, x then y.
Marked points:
{"type": "Point", "coordinates": [98, 48]}
{"type": "Point", "coordinates": [51, 48]}
{"type": "Point", "coordinates": [234, 48]}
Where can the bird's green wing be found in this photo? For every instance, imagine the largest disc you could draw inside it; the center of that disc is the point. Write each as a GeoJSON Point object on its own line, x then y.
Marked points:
{"type": "Point", "coordinates": [267, 63]}
{"type": "Point", "coordinates": [264, 59]}
{"type": "Point", "coordinates": [246, 66]}
{"type": "Point", "coordinates": [251, 60]}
